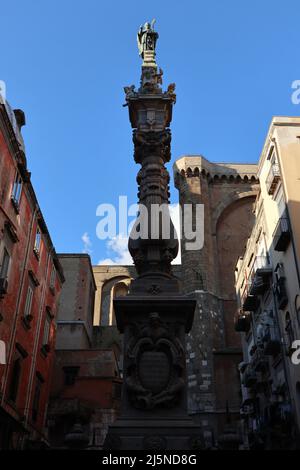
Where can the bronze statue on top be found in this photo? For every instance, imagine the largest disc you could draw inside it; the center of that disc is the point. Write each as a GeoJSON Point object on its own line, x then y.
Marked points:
{"type": "Point", "coordinates": [146, 38]}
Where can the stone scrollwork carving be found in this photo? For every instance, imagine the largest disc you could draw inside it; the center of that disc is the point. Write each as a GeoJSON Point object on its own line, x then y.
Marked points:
{"type": "Point", "coordinates": [156, 143]}
{"type": "Point", "coordinates": [155, 365]}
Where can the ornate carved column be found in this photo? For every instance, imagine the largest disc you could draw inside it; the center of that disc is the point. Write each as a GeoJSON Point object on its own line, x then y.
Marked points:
{"type": "Point", "coordinates": [154, 317]}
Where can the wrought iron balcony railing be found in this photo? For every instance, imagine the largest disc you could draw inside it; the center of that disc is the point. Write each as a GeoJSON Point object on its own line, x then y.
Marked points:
{"type": "Point", "coordinates": [260, 275]}
{"type": "Point", "coordinates": [249, 302]}
{"type": "Point", "coordinates": [281, 293]}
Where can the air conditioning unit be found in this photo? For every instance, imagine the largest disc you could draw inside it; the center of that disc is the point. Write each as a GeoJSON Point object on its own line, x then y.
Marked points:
{"type": "Point", "coordinates": [3, 285]}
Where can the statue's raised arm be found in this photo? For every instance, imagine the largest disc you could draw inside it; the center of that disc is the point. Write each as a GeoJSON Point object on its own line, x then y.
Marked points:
{"type": "Point", "coordinates": [139, 39]}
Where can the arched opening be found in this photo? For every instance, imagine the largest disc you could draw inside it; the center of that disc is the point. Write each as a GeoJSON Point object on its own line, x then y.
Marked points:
{"type": "Point", "coordinates": [119, 290]}
{"type": "Point", "coordinates": [233, 228]}
{"type": "Point", "coordinates": [109, 291]}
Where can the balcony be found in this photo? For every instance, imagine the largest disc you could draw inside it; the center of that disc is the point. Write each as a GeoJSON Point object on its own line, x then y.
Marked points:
{"type": "Point", "coordinates": [282, 234]}
{"type": "Point", "coordinates": [249, 302]}
{"type": "Point", "coordinates": [260, 275]}
{"type": "Point", "coordinates": [242, 322]}
{"type": "Point", "coordinates": [273, 178]}
{"type": "Point", "coordinates": [281, 293]}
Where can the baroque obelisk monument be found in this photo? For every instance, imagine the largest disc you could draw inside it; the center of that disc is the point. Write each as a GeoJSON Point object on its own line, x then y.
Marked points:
{"type": "Point", "coordinates": [154, 316]}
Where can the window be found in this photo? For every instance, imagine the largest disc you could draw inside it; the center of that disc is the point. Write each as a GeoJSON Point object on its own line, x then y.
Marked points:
{"type": "Point", "coordinates": [280, 200]}
{"type": "Point", "coordinates": [37, 242]}
{"type": "Point", "coordinates": [280, 287]}
{"type": "Point", "coordinates": [17, 189]}
{"type": "Point", "coordinates": [52, 277]}
{"type": "Point", "coordinates": [4, 264]}
{"type": "Point", "coordinates": [273, 177]}
{"type": "Point", "coordinates": [36, 397]}
{"type": "Point", "coordinates": [15, 380]}
{"type": "Point", "coordinates": [47, 329]}
{"type": "Point", "coordinates": [28, 303]}
{"type": "Point", "coordinates": [273, 158]}
{"type": "Point", "coordinates": [71, 373]}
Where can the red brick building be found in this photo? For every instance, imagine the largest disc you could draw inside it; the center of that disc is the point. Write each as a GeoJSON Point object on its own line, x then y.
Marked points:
{"type": "Point", "coordinates": [30, 282]}
{"type": "Point", "coordinates": [85, 398]}
{"type": "Point", "coordinates": [86, 386]}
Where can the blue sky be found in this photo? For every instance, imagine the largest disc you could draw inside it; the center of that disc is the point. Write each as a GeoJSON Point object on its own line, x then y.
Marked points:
{"type": "Point", "coordinates": [65, 64]}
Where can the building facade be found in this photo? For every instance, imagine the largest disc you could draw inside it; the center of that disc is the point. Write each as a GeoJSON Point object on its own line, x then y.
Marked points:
{"type": "Point", "coordinates": [267, 285]}
{"type": "Point", "coordinates": [31, 278]}
{"type": "Point", "coordinates": [86, 386]}
{"type": "Point", "coordinates": [227, 193]}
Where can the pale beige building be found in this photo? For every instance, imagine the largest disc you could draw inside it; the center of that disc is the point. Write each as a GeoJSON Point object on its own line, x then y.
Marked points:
{"type": "Point", "coordinates": [111, 281]}
{"type": "Point", "coordinates": [268, 291]}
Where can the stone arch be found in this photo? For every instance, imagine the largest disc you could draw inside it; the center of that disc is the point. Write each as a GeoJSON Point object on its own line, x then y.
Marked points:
{"type": "Point", "coordinates": [227, 201]}
{"type": "Point", "coordinates": [234, 223]}
{"type": "Point", "coordinates": [120, 289]}
{"type": "Point", "coordinates": [107, 292]}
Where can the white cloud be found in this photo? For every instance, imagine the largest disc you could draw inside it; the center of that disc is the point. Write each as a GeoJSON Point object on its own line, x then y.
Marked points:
{"type": "Point", "coordinates": [118, 246]}
{"type": "Point", "coordinates": [87, 244]}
